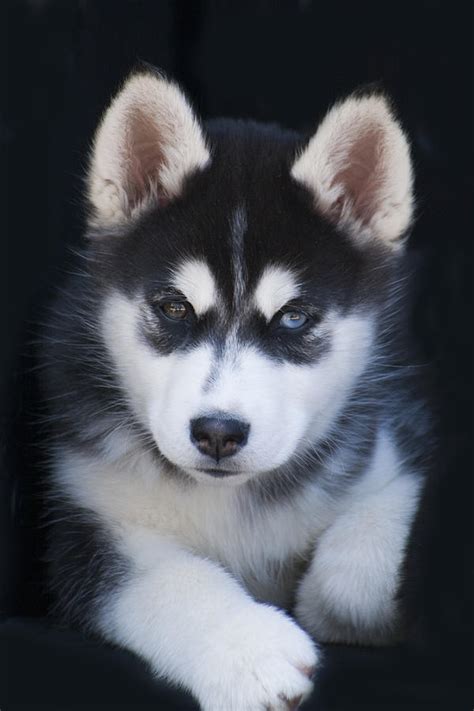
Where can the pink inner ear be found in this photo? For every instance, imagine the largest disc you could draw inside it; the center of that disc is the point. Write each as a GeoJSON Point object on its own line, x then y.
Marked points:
{"type": "Point", "coordinates": [362, 175]}
{"type": "Point", "coordinates": [144, 159]}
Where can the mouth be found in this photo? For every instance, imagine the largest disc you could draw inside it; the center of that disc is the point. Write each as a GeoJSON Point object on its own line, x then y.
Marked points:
{"type": "Point", "coordinates": [215, 472]}
{"type": "Point", "coordinates": [219, 473]}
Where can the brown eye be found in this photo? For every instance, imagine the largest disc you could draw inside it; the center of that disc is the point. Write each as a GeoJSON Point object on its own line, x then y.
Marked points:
{"type": "Point", "coordinates": [176, 310]}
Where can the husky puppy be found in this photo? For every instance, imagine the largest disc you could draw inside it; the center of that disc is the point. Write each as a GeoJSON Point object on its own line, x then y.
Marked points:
{"type": "Point", "coordinates": [238, 439]}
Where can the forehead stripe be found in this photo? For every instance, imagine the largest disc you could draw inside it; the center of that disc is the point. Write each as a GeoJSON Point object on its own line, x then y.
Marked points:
{"type": "Point", "coordinates": [194, 279]}
{"type": "Point", "coordinates": [276, 287]}
{"type": "Point", "coordinates": [238, 229]}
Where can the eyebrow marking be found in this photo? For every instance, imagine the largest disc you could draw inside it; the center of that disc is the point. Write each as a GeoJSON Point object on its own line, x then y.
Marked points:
{"type": "Point", "coordinates": [195, 280]}
{"type": "Point", "coordinates": [275, 288]}
{"type": "Point", "coordinates": [238, 228]}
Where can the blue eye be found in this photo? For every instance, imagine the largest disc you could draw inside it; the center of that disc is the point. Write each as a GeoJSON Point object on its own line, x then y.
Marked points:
{"type": "Point", "coordinates": [293, 320]}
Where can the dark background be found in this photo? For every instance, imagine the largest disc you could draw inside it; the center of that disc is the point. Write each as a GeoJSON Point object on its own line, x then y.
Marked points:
{"type": "Point", "coordinates": [277, 61]}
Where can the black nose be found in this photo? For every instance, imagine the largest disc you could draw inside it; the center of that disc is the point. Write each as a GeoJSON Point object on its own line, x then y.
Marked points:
{"type": "Point", "coordinates": [219, 437]}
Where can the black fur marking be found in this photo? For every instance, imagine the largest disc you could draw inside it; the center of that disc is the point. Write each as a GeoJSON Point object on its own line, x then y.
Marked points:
{"type": "Point", "coordinates": [260, 217]}
{"type": "Point", "coordinates": [84, 565]}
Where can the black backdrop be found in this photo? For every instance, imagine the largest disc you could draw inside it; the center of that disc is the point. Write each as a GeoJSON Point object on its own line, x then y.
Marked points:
{"type": "Point", "coordinates": [283, 61]}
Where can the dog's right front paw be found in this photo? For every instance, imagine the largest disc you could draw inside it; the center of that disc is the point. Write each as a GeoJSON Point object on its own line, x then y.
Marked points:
{"type": "Point", "coordinates": [260, 661]}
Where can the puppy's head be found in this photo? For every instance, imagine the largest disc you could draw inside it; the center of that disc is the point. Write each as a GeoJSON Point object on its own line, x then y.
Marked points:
{"type": "Point", "coordinates": [242, 270]}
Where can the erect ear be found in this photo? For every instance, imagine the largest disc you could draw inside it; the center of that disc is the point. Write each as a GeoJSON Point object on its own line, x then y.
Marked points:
{"type": "Point", "coordinates": [148, 141]}
{"type": "Point", "coordinates": [357, 165]}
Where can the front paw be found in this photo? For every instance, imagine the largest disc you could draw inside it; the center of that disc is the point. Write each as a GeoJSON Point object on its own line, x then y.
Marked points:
{"type": "Point", "coordinates": [259, 661]}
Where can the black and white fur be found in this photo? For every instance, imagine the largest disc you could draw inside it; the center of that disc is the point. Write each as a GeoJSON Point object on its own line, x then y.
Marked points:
{"type": "Point", "coordinates": [224, 574]}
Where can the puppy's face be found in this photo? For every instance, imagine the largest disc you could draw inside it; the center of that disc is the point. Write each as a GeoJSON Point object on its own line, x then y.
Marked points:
{"type": "Point", "coordinates": [242, 273]}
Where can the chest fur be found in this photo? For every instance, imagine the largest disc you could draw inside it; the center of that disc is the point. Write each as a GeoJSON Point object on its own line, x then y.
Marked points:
{"type": "Point", "coordinates": [266, 545]}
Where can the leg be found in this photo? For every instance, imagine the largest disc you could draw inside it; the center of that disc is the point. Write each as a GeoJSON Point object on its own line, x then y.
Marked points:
{"type": "Point", "coordinates": [198, 628]}
{"type": "Point", "coordinates": [349, 592]}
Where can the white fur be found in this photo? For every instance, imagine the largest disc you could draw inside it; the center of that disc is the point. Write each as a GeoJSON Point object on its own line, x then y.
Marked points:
{"type": "Point", "coordinates": [196, 551]}
{"type": "Point", "coordinates": [195, 280]}
{"type": "Point", "coordinates": [198, 627]}
{"type": "Point", "coordinates": [358, 167]}
{"type": "Point", "coordinates": [217, 522]}
{"type": "Point", "coordinates": [167, 392]}
{"type": "Point", "coordinates": [147, 143]}
{"type": "Point", "coordinates": [186, 615]}
{"type": "Point", "coordinates": [275, 288]}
